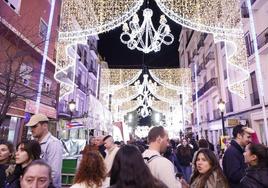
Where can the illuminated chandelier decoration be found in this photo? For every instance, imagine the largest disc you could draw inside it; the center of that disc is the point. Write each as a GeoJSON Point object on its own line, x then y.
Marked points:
{"type": "Point", "coordinates": [157, 94]}
{"type": "Point", "coordinates": [153, 38]}
{"type": "Point", "coordinates": [145, 98]}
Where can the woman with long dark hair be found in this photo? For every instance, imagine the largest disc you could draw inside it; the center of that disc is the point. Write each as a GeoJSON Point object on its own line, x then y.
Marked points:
{"type": "Point", "coordinates": [91, 172]}
{"type": "Point", "coordinates": [207, 171]}
{"type": "Point", "coordinates": [256, 156]}
{"type": "Point", "coordinates": [130, 171]}
{"type": "Point", "coordinates": [27, 151]}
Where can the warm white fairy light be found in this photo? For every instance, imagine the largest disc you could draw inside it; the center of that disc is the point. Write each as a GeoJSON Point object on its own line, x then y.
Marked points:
{"type": "Point", "coordinates": [94, 16]}
{"type": "Point", "coordinates": [145, 98]}
{"type": "Point", "coordinates": [134, 34]}
{"type": "Point", "coordinates": [220, 17]}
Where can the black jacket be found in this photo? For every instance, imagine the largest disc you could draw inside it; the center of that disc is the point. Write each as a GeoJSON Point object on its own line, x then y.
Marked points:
{"type": "Point", "coordinates": [13, 180]}
{"type": "Point", "coordinates": [234, 166]}
{"type": "Point", "coordinates": [255, 178]}
{"type": "Point", "coordinates": [3, 177]}
{"type": "Point", "coordinates": [185, 155]}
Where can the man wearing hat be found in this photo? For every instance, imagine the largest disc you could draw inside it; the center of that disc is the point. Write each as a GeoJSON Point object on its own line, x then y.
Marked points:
{"type": "Point", "coordinates": [52, 150]}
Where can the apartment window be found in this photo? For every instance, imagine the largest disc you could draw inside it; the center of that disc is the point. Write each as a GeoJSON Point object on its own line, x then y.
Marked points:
{"type": "Point", "coordinates": [222, 45]}
{"type": "Point", "coordinates": [42, 29]}
{"type": "Point", "coordinates": [14, 4]}
{"type": "Point", "coordinates": [212, 72]}
{"type": "Point", "coordinates": [224, 67]}
{"type": "Point", "coordinates": [229, 103]}
{"type": "Point", "coordinates": [254, 96]}
{"type": "Point", "coordinates": [189, 57]}
{"type": "Point", "coordinates": [47, 85]}
{"type": "Point", "coordinates": [248, 44]}
{"type": "Point", "coordinates": [25, 73]}
{"type": "Point", "coordinates": [210, 45]}
{"type": "Point", "coordinates": [207, 110]}
{"type": "Point", "coordinates": [79, 78]}
{"type": "Point", "coordinates": [205, 79]}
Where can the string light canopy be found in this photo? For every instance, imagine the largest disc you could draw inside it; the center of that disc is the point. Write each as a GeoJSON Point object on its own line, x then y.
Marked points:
{"type": "Point", "coordinates": [134, 34]}
{"type": "Point", "coordinates": [222, 18]}
{"type": "Point", "coordinates": [155, 93]}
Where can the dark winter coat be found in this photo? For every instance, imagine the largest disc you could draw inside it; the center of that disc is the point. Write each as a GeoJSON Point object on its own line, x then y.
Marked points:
{"type": "Point", "coordinates": [234, 166]}
{"type": "Point", "coordinates": [13, 180]}
{"type": "Point", "coordinates": [255, 178]}
{"type": "Point", "coordinates": [185, 155]}
{"type": "Point", "coordinates": [3, 177]}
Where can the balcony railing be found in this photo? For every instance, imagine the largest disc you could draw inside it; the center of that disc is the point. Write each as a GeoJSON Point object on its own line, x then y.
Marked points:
{"type": "Point", "coordinates": [200, 68]}
{"type": "Point", "coordinates": [80, 85]}
{"type": "Point", "coordinates": [262, 38]}
{"type": "Point", "coordinates": [93, 69]}
{"type": "Point", "coordinates": [254, 98]}
{"type": "Point", "coordinates": [209, 57]}
{"type": "Point", "coordinates": [216, 114]}
{"type": "Point", "coordinates": [208, 85]}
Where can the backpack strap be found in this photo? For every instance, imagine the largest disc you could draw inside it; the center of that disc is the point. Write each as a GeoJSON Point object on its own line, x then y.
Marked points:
{"type": "Point", "coordinates": [149, 159]}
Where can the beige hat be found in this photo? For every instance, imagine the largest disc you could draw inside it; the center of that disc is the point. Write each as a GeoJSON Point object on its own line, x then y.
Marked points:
{"type": "Point", "coordinates": [36, 119]}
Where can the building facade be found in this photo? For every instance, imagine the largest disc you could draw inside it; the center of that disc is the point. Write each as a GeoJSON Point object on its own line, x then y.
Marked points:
{"type": "Point", "coordinates": [84, 120]}
{"type": "Point", "coordinates": [23, 29]}
{"type": "Point", "coordinates": [199, 52]}
{"type": "Point", "coordinates": [210, 59]}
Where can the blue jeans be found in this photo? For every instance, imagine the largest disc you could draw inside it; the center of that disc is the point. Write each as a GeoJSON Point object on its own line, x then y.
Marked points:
{"type": "Point", "coordinates": [187, 172]}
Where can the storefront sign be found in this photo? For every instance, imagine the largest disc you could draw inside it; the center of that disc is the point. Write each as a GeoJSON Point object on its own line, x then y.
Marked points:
{"type": "Point", "coordinates": [232, 122]}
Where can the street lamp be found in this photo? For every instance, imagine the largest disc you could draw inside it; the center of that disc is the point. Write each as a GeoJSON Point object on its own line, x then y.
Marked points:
{"type": "Point", "coordinates": [72, 107]}
{"type": "Point", "coordinates": [221, 105]}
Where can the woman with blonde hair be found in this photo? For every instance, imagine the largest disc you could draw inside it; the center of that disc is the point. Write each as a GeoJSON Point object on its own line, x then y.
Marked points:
{"type": "Point", "coordinates": [91, 172]}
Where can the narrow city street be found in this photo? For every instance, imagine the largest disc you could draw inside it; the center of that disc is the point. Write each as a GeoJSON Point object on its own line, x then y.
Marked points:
{"type": "Point", "coordinates": [97, 94]}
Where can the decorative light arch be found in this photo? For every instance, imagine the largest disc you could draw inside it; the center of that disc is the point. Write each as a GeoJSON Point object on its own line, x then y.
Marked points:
{"type": "Point", "coordinates": [222, 18]}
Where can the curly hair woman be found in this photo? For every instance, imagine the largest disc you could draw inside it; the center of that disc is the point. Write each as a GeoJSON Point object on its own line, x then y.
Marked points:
{"type": "Point", "coordinates": [91, 172]}
{"type": "Point", "coordinates": [130, 171]}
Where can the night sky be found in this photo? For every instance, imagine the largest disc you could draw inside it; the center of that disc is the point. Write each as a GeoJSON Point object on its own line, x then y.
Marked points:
{"type": "Point", "coordinates": [117, 54]}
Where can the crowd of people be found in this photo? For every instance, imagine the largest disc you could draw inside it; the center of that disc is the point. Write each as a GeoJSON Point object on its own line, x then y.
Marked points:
{"type": "Point", "coordinates": [156, 162]}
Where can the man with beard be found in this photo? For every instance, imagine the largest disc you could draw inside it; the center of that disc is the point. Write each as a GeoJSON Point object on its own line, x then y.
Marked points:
{"type": "Point", "coordinates": [160, 167]}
